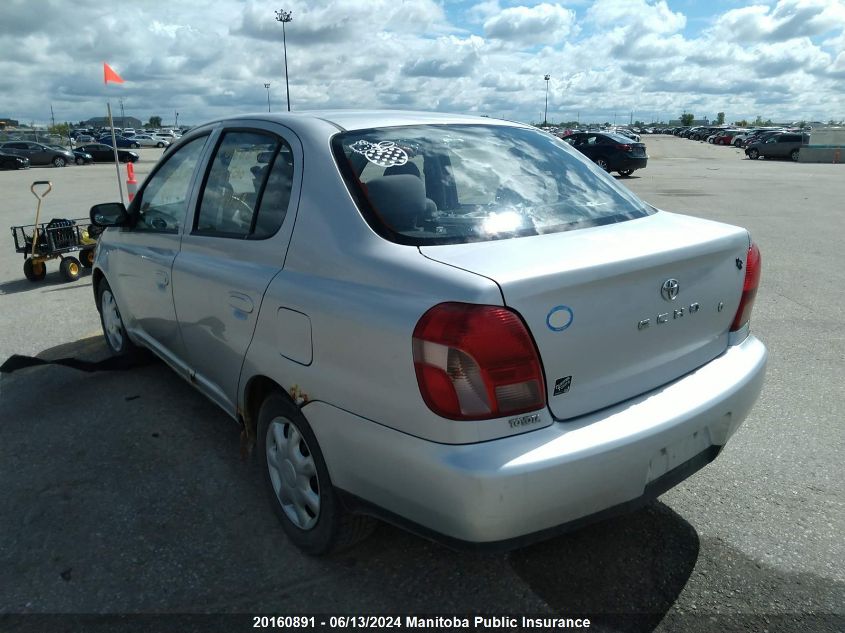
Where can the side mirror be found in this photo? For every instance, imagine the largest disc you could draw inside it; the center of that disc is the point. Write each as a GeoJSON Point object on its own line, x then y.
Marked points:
{"type": "Point", "coordinates": [109, 214]}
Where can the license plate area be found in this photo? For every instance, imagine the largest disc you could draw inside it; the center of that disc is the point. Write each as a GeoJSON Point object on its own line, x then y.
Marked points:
{"type": "Point", "coordinates": [677, 453]}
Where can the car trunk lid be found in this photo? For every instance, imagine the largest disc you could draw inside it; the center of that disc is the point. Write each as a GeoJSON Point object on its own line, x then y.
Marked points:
{"type": "Point", "coordinates": [594, 302]}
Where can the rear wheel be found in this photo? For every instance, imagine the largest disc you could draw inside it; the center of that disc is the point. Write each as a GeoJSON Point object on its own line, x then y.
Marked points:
{"type": "Point", "coordinates": [794, 155]}
{"type": "Point", "coordinates": [601, 162]}
{"type": "Point", "coordinates": [79, 160]}
{"type": "Point", "coordinates": [70, 267]}
{"type": "Point", "coordinates": [753, 154]}
{"type": "Point", "coordinates": [86, 257]}
{"type": "Point", "coordinates": [626, 172]}
{"type": "Point", "coordinates": [34, 271]}
{"type": "Point", "coordinates": [159, 145]}
{"type": "Point", "coordinates": [298, 483]}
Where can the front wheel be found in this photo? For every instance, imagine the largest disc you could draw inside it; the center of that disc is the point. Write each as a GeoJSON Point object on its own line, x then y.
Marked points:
{"type": "Point", "coordinates": [58, 161]}
{"type": "Point", "coordinates": [116, 338]}
{"type": "Point", "coordinates": [135, 146]}
{"type": "Point", "coordinates": [601, 162]}
{"type": "Point", "coordinates": [159, 145]}
{"type": "Point", "coordinates": [298, 483]}
{"type": "Point", "coordinates": [753, 154]}
{"type": "Point", "coordinates": [80, 161]}
{"type": "Point", "coordinates": [626, 172]}
{"type": "Point", "coordinates": [34, 271]}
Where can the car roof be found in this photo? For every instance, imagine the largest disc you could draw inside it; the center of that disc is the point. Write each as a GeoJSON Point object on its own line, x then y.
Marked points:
{"type": "Point", "coordinates": [348, 120]}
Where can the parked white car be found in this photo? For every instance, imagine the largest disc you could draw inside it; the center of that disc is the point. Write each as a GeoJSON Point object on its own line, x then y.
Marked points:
{"type": "Point", "coordinates": [147, 140]}
{"type": "Point", "coordinates": [455, 323]}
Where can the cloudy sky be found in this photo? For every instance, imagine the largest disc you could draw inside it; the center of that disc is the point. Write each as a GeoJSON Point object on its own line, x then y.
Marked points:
{"type": "Point", "coordinates": [781, 59]}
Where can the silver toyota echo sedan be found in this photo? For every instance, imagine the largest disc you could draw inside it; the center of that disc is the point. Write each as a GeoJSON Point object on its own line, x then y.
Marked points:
{"type": "Point", "coordinates": [456, 324]}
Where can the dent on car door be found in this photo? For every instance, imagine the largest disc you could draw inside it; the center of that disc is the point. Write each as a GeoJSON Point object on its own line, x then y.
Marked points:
{"type": "Point", "coordinates": [232, 251]}
{"type": "Point", "coordinates": [139, 268]}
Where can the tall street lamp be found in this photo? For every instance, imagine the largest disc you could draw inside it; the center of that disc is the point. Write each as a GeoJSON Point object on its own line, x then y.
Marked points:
{"type": "Point", "coordinates": [284, 17]}
{"type": "Point", "coordinates": [546, 111]}
{"type": "Point", "coordinates": [122, 116]}
{"type": "Point", "coordinates": [267, 85]}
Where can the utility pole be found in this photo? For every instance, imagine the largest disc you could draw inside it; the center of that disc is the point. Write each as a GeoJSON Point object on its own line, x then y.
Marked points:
{"type": "Point", "coordinates": [546, 111]}
{"type": "Point", "coordinates": [52, 116]}
{"type": "Point", "coordinates": [267, 85]}
{"type": "Point", "coordinates": [284, 17]}
{"type": "Point", "coordinates": [176, 125]}
{"type": "Point", "coordinates": [122, 116]}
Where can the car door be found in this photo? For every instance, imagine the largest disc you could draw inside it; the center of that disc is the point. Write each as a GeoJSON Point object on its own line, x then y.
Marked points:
{"type": "Point", "coordinates": [235, 246]}
{"type": "Point", "coordinates": [140, 264]}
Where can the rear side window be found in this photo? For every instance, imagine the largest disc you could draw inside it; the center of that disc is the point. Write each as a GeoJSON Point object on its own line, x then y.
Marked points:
{"type": "Point", "coordinates": [448, 184]}
{"type": "Point", "coordinates": [247, 190]}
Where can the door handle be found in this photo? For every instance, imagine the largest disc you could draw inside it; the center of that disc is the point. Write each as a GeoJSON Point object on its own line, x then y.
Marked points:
{"type": "Point", "coordinates": [241, 302]}
{"type": "Point", "coordinates": [162, 279]}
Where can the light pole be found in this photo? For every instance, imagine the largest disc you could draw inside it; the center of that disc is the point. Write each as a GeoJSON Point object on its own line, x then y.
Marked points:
{"type": "Point", "coordinates": [176, 124]}
{"type": "Point", "coordinates": [267, 85]}
{"type": "Point", "coordinates": [284, 17]}
{"type": "Point", "coordinates": [546, 111]}
{"type": "Point", "coordinates": [122, 116]}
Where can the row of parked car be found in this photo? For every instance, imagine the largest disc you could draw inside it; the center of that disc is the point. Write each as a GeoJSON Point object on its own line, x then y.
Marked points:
{"type": "Point", "coordinates": [765, 142]}
{"type": "Point", "coordinates": [23, 154]}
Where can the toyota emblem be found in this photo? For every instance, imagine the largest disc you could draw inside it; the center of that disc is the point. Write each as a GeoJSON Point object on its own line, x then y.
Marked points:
{"type": "Point", "coordinates": [669, 289]}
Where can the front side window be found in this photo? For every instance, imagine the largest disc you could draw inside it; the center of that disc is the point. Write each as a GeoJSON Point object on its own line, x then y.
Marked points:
{"type": "Point", "coordinates": [448, 184]}
{"type": "Point", "coordinates": [165, 196]}
{"type": "Point", "coordinates": [248, 187]}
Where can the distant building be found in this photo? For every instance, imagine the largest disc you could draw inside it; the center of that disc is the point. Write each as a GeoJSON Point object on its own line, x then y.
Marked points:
{"type": "Point", "coordinates": [677, 122]}
{"type": "Point", "coordinates": [121, 122]}
{"type": "Point", "coordinates": [4, 123]}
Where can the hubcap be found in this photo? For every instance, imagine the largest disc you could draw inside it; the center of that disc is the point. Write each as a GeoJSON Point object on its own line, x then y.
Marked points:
{"type": "Point", "coordinates": [112, 325]}
{"type": "Point", "coordinates": [74, 269]}
{"type": "Point", "coordinates": [293, 473]}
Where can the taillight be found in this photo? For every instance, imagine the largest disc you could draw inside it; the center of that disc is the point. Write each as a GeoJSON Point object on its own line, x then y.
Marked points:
{"type": "Point", "coordinates": [475, 362]}
{"type": "Point", "coordinates": [624, 147]}
{"type": "Point", "coordinates": [753, 264]}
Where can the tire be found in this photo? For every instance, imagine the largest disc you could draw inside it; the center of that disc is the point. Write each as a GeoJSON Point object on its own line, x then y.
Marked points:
{"type": "Point", "coordinates": [753, 154]}
{"type": "Point", "coordinates": [80, 161]}
{"type": "Point", "coordinates": [625, 172]}
{"type": "Point", "coordinates": [794, 155]}
{"type": "Point", "coordinates": [58, 161]}
{"type": "Point", "coordinates": [298, 483]}
{"type": "Point", "coordinates": [86, 257]}
{"type": "Point", "coordinates": [159, 145]}
{"type": "Point", "coordinates": [70, 268]}
{"type": "Point", "coordinates": [117, 340]}
{"type": "Point", "coordinates": [34, 271]}
{"type": "Point", "coordinates": [737, 143]}
{"type": "Point", "coordinates": [601, 162]}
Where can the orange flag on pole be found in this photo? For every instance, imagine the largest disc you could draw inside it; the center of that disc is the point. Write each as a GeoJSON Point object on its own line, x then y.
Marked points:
{"type": "Point", "coordinates": [110, 75]}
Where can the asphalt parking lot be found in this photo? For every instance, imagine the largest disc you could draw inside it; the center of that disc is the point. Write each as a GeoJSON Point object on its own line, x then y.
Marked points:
{"type": "Point", "coordinates": [124, 491]}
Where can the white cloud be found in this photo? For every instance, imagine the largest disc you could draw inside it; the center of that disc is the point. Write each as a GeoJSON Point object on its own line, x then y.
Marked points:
{"type": "Point", "coordinates": [531, 26]}
{"type": "Point", "coordinates": [609, 56]}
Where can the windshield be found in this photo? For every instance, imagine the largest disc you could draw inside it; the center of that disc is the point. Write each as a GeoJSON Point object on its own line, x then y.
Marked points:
{"type": "Point", "coordinates": [447, 184]}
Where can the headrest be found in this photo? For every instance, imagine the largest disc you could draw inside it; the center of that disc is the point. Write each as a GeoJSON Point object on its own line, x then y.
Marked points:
{"type": "Point", "coordinates": [398, 199]}
{"type": "Point", "coordinates": [407, 168]}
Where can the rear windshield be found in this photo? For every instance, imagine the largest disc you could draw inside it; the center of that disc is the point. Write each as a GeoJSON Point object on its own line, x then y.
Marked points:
{"type": "Point", "coordinates": [448, 184]}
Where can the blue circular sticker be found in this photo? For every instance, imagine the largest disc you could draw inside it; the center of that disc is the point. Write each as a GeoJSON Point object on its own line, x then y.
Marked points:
{"type": "Point", "coordinates": [559, 318]}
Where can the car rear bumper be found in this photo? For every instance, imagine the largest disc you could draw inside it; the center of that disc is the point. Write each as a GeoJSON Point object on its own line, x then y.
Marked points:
{"type": "Point", "coordinates": [630, 163]}
{"type": "Point", "coordinates": [507, 491]}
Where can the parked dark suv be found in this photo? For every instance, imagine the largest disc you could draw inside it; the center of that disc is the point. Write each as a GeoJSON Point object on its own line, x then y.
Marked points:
{"type": "Point", "coordinates": [781, 145]}
{"type": "Point", "coordinates": [38, 154]}
{"type": "Point", "coordinates": [611, 152]}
